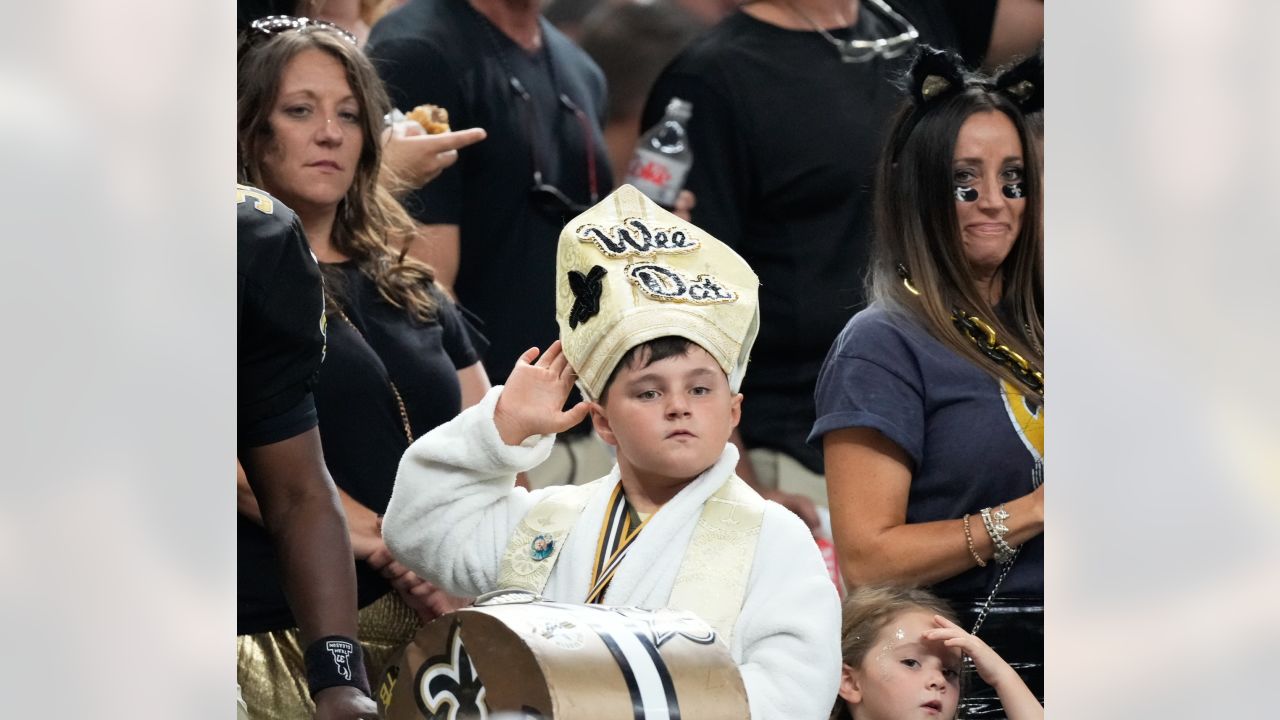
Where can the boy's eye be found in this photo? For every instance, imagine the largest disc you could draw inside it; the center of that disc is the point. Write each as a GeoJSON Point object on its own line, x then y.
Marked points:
{"type": "Point", "coordinates": [701, 390]}
{"type": "Point", "coordinates": [951, 673]}
{"type": "Point", "coordinates": [647, 394]}
{"type": "Point", "coordinates": [911, 662]}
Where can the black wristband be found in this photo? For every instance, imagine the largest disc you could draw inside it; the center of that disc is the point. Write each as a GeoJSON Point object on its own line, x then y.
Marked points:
{"type": "Point", "coordinates": [335, 660]}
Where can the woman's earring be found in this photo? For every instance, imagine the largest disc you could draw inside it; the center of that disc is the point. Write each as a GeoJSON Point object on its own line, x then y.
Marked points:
{"type": "Point", "coordinates": [906, 279]}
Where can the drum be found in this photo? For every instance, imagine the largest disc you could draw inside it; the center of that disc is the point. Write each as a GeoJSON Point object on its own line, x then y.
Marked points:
{"type": "Point", "coordinates": [515, 655]}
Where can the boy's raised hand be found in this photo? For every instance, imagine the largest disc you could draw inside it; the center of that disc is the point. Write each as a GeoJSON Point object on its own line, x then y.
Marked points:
{"type": "Point", "coordinates": [532, 400]}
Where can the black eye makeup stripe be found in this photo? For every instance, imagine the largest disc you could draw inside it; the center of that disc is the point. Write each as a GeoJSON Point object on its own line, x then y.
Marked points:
{"type": "Point", "coordinates": [1015, 191]}
{"type": "Point", "coordinates": [967, 194]}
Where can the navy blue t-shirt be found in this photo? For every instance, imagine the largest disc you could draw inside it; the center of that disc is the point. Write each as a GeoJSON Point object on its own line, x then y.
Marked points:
{"type": "Point", "coordinates": [974, 441]}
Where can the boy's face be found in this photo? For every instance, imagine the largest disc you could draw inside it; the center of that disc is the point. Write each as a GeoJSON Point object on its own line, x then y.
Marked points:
{"type": "Point", "coordinates": [904, 675]}
{"type": "Point", "coordinates": [670, 420]}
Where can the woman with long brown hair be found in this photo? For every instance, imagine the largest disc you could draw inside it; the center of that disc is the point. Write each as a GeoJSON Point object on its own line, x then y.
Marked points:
{"type": "Point", "coordinates": [930, 403]}
{"type": "Point", "coordinates": [400, 360]}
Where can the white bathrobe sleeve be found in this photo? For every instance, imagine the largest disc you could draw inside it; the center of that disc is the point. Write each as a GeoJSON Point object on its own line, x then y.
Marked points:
{"type": "Point", "coordinates": [455, 504]}
{"type": "Point", "coordinates": [787, 639]}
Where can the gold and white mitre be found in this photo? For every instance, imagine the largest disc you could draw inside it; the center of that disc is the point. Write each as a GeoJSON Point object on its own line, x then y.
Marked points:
{"type": "Point", "coordinates": [628, 271]}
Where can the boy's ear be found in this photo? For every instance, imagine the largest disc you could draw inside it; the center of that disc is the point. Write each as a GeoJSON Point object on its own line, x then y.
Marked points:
{"type": "Point", "coordinates": [600, 420]}
{"type": "Point", "coordinates": [850, 685]}
{"type": "Point", "coordinates": [735, 409]}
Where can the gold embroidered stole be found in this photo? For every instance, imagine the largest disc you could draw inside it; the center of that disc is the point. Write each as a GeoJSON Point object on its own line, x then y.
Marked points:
{"type": "Point", "coordinates": [713, 574]}
{"type": "Point", "coordinates": [712, 581]}
{"type": "Point", "coordinates": [549, 521]}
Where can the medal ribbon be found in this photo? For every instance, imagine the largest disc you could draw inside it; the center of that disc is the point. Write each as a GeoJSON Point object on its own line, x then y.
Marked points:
{"type": "Point", "coordinates": [616, 535]}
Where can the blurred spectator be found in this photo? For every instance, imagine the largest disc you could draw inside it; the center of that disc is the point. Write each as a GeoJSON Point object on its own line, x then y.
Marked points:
{"type": "Point", "coordinates": [790, 102]}
{"type": "Point", "coordinates": [632, 41]}
{"type": "Point", "coordinates": [491, 222]}
{"type": "Point", "coordinates": [354, 16]}
{"type": "Point", "coordinates": [280, 332]}
{"type": "Point", "coordinates": [931, 402]}
{"type": "Point", "coordinates": [568, 15]}
{"type": "Point", "coordinates": [399, 360]}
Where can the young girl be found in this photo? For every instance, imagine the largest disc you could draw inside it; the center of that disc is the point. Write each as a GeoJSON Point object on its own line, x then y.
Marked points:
{"type": "Point", "coordinates": [903, 655]}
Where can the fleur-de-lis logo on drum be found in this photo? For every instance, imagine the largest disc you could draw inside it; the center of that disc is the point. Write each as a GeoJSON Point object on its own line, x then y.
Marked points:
{"type": "Point", "coordinates": [447, 687]}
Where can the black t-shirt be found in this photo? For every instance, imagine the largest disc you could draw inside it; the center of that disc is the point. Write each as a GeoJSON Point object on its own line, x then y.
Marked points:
{"type": "Point", "coordinates": [361, 428]}
{"type": "Point", "coordinates": [279, 321]}
{"type": "Point", "coordinates": [445, 53]}
{"type": "Point", "coordinates": [785, 141]}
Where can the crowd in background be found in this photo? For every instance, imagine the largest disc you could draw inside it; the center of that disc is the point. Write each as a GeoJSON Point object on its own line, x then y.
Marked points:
{"type": "Point", "coordinates": [438, 259]}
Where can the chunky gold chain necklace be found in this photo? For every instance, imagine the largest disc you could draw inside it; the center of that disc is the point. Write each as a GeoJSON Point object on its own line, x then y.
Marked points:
{"type": "Point", "coordinates": [984, 337]}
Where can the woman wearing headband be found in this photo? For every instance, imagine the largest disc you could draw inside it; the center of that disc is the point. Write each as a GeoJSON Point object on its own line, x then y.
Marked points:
{"type": "Point", "coordinates": [930, 403]}
{"type": "Point", "coordinates": [400, 357]}
{"type": "Point", "coordinates": [791, 99]}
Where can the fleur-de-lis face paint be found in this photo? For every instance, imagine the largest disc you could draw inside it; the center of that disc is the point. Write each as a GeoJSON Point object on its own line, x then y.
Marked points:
{"type": "Point", "coordinates": [1015, 191]}
{"type": "Point", "coordinates": [968, 194]}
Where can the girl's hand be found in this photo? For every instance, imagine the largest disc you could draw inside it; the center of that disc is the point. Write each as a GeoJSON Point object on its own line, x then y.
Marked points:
{"type": "Point", "coordinates": [1018, 700]}
{"type": "Point", "coordinates": [990, 666]}
{"type": "Point", "coordinates": [533, 396]}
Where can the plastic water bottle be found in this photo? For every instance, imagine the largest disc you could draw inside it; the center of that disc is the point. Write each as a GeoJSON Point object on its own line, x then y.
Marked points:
{"type": "Point", "coordinates": [663, 158]}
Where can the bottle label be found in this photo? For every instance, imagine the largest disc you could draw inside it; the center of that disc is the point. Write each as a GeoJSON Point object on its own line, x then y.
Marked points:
{"type": "Point", "coordinates": [659, 176]}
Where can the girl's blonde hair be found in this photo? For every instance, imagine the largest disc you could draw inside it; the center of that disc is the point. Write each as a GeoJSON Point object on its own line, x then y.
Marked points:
{"type": "Point", "coordinates": [866, 612]}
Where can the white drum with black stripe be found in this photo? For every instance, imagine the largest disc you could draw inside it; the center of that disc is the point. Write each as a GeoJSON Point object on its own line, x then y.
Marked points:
{"type": "Point", "coordinates": [514, 655]}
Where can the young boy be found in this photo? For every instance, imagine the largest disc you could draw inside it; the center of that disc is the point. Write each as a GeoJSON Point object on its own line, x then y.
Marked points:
{"type": "Point", "coordinates": [657, 319]}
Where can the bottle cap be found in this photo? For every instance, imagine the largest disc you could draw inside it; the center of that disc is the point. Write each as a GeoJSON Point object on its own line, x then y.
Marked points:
{"type": "Point", "coordinates": [681, 109]}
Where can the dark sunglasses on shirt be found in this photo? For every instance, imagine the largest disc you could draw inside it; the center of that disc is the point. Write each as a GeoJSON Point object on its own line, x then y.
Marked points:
{"type": "Point", "coordinates": [547, 197]}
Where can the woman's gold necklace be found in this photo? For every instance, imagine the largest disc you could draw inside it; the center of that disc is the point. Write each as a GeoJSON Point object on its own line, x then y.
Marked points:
{"type": "Point", "coordinates": [984, 337]}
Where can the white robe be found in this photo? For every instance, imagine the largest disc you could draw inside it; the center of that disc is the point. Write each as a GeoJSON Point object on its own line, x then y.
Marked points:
{"type": "Point", "coordinates": [455, 505]}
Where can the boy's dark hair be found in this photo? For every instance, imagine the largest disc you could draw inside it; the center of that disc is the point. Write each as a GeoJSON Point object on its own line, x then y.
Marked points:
{"type": "Point", "coordinates": [646, 354]}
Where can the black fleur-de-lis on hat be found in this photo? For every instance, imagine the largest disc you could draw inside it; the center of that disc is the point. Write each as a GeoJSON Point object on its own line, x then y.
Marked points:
{"type": "Point", "coordinates": [586, 292]}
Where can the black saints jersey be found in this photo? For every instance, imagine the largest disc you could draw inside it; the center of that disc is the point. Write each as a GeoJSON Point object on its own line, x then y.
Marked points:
{"type": "Point", "coordinates": [279, 321]}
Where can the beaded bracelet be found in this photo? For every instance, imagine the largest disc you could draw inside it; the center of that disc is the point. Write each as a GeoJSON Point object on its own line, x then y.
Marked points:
{"type": "Point", "coordinates": [968, 538]}
{"type": "Point", "coordinates": [996, 529]}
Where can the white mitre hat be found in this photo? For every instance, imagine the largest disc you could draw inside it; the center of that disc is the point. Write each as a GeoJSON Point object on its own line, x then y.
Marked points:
{"type": "Point", "coordinates": [628, 271]}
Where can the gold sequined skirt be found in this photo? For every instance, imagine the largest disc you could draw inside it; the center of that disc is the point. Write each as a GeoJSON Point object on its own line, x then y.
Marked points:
{"type": "Point", "coordinates": [271, 674]}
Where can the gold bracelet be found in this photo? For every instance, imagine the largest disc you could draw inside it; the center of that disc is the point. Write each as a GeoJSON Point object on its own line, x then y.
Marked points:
{"type": "Point", "coordinates": [968, 538]}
